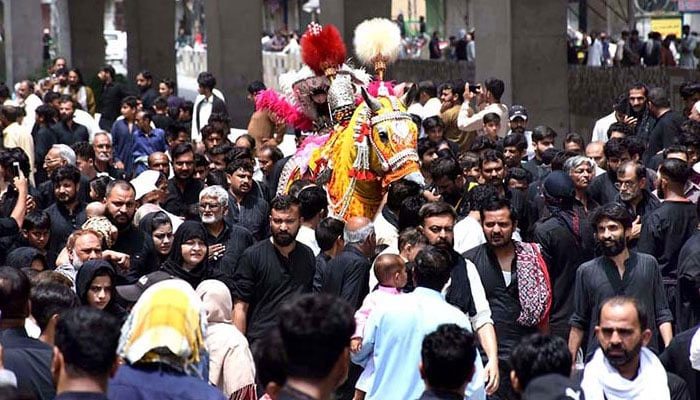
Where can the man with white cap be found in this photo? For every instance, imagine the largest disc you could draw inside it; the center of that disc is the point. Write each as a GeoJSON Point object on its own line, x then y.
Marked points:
{"type": "Point", "coordinates": [151, 187]}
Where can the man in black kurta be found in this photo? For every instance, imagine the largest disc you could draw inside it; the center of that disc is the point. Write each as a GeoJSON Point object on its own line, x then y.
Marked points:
{"type": "Point", "coordinates": [563, 247]}
{"type": "Point", "coordinates": [618, 272]}
{"type": "Point", "coordinates": [271, 272]}
{"type": "Point", "coordinates": [638, 200]}
{"type": "Point", "coordinates": [688, 288]}
{"type": "Point", "coordinates": [676, 360]}
{"type": "Point", "coordinates": [668, 227]}
{"type": "Point", "coordinates": [347, 275]}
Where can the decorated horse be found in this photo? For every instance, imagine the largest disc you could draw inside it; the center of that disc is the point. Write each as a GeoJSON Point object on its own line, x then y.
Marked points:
{"type": "Point", "coordinates": [357, 161]}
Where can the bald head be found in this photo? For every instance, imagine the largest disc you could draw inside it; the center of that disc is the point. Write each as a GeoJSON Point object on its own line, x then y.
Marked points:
{"type": "Point", "coordinates": [95, 209]}
{"type": "Point", "coordinates": [386, 267]}
{"type": "Point", "coordinates": [359, 231]}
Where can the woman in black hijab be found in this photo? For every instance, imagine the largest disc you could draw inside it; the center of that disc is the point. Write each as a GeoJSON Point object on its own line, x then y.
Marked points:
{"type": "Point", "coordinates": [159, 230]}
{"type": "Point", "coordinates": [94, 285]}
{"type": "Point", "coordinates": [188, 257]}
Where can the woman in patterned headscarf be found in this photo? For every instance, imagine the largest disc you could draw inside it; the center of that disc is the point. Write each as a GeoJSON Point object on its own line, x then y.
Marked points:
{"type": "Point", "coordinates": [162, 343]}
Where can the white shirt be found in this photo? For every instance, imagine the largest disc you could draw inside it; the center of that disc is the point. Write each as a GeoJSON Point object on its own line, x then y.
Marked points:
{"type": "Point", "coordinates": [31, 103]}
{"type": "Point", "coordinates": [386, 233]}
{"type": "Point", "coordinates": [85, 119]}
{"type": "Point", "coordinates": [307, 236]}
{"type": "Point", "coordinates": [476, 121]}
{"type": "Point", "coordinates": [203, 113]}
{"type": "Point", "coordinates": [600, 129]}
{"type": "Point", "coordinates": [595, 54]}
{"type": "Point", "coordinates": [481, 305]}
{"type": "Point", "coordinates": [468, 234]}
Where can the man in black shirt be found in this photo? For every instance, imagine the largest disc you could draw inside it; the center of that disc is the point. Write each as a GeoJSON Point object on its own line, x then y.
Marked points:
{"type": "Point", "coordinates": [271, 272]}
{"type": "Point", "coordinates": [638, 113]}
{"type": "Point", "coordinates": [110, 99]}
{"type": "Point", "coordinates": [672, 223]}
{"type": "Point", "coordinates": [68, 212]}
{"type": "Point", "coordinates": [247, 206]}
{"type": "Point", "coordinates": [147, 94]}
{"type": "Point", "coordinates": [120, 206]}
{"type": "Point", "coordinates": [688, 288]}
{"type": "Point", "coordinates": [618, 272]}
{"type": "Point", "coordinates": [602, 189]}
{"type": "Point", "coordinates": [67, 130]}
{"type": "Point", "coordinates": [498, 262]}
{"type": "Point", "coordinates": [448, 179]}
{"type": "Point", "coordinates": [348, 274]}
{"type": "Point", "coordinates": [676, 359]}
{"type": "Point", "coordinates": [28, 358]}
{"type": "Point", "coordinates": [542, 139]}
{"type": "Point", "coordinates": [563, 247]}
{"type": "Point", "coordinates": [329, 237]}
{"type": "Point", "coordinates": [183, 189]}
{"type": "Point", "coordinates": [226, 241]}
{"type": "Point", "coordinates": [494, 172]}
{"type": "Point", "coordinates": [634, 195]}
{"type": "Point", "coordinates": [668, 123]}
{"type": "Point", "coordinates": [44, 137]}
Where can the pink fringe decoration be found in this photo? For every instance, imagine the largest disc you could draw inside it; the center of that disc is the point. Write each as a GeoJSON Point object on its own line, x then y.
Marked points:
{"type": "Point", "coordinates": [269, 100]}
{"type": "Point", "coordinates": [373, 87]}
{"type": "Point", "coordinates": [307, 148]}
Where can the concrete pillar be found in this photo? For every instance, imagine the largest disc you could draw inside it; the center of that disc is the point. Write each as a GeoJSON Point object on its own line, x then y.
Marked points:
{"type": "Point", "coordinates": [23, 46]}
{"type": "Point", "coordinates": [346, 15]}
{"type": "Point", "coordinates": [79, 31]}
{"type": "Point", "coordinates": [234, 53]}
{"type": "Point", "coordinates": [523, 43]}
{"type": "Point", "coordinates": [150, 40]}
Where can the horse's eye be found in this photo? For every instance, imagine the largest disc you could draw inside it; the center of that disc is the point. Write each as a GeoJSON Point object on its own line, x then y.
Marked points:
{"type": "Point", "coordinates": [383, 136]}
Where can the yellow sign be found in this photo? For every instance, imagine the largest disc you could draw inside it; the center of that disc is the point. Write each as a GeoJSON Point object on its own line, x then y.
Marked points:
{"type": "Point", "coordinates": [666, 26]}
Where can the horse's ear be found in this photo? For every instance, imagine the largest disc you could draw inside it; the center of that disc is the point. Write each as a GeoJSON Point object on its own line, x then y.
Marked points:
{"type": "Point", "coordinates": [372, 102]}
{"type": "Point", "coordinates": [409, 94]}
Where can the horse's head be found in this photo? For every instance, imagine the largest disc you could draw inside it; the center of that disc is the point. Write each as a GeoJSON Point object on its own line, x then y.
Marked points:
{"type": "Point", "coordinates": [393, 139]}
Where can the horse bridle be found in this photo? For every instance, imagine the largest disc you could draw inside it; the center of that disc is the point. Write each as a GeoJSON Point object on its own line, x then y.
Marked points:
{"type": "Point", "coordinates": [400, 158]}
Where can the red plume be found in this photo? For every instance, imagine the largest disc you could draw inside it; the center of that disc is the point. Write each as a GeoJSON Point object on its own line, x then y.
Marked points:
{"type": "Point", "coordinates": [322, 48]}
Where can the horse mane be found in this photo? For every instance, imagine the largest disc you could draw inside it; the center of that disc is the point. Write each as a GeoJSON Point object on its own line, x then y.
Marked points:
{"type": "Point", "coordinates": [341, 152]}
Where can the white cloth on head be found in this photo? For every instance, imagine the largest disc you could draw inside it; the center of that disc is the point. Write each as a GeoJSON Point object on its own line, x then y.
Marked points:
{"type": "Point", "coordinates": [431, 108]}
{"type": "Point", "coordinates": [602, 381]}
{"type": "Point", "coordinates": [695, 350]}
{"type": "Point", "coordinates": [145, 183]}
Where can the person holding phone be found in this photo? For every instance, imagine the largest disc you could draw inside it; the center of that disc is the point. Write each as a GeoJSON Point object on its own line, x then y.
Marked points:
{"type": "Point", "coordinates": [488, 98]}
{"type": "Point", "coordinates": [12, 176]}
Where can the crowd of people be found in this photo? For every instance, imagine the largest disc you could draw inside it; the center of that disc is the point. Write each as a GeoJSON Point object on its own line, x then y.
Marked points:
{"type": "Point", "coordinates": [149, 254]}
{"type": "Point", "coordinates": [599, 50]}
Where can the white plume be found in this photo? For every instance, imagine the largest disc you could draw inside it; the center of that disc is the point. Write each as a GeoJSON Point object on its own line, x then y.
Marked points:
{"type": "Point", "coordinates": [288, 79]}
{"type": "Point", "coordinates": [358, 74]}
{"type": "Point", "coordinates": [377, 36]}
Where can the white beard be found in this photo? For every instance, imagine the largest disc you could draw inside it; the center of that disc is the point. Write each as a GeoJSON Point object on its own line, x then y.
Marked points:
{"type": "Point", "coordinates": [210, 220]}
{"type": "Point", "coordinates": [76, 261]}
